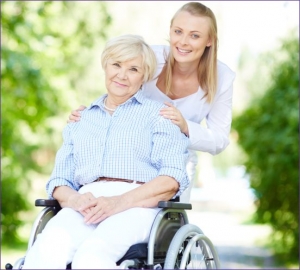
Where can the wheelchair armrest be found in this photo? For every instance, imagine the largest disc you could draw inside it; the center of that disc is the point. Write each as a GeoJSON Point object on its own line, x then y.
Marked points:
{"type": "Point", "coordinates": [174, 205]}
{"type": "Point", "coordinates": [161, 204]}
{"type": "Point", "coordinates": [45, 203]}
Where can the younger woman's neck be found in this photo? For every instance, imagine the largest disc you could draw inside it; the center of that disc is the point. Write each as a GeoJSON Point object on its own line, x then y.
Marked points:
{"type": "Point", "coordinates": [185, 70]}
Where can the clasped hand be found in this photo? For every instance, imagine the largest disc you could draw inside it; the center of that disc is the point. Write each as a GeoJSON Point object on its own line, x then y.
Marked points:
{"type": "Point", "coordinates": [98, 209]}
{"type": "Point", "coordinates": [94, 210]}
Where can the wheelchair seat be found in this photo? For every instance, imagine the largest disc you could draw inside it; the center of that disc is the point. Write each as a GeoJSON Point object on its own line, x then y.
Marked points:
{"type": "Point", "coordinates": [171, 241]}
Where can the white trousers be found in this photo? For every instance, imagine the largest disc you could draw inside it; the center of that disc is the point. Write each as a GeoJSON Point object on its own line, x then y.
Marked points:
{"type": "Point", "coordinates": [66, 238]}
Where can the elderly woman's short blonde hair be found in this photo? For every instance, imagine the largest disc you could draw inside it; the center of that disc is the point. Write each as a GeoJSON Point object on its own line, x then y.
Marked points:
{"type": "Point", "coordinates": [127, 47]}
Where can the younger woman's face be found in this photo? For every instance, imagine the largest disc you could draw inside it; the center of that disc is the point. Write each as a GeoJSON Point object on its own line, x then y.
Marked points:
{"type": "Point", "coordinates": [189, 36]}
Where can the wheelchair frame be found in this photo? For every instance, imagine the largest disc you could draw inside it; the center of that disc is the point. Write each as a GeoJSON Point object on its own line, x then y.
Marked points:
{"type": "Point", "coordinates": [170, 243]}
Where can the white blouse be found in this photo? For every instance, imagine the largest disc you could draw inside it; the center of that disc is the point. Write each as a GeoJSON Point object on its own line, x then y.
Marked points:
{"type": "Point", "coordinates": [194, 108]}
{"type": "Point", "coordinates": [214, 137]}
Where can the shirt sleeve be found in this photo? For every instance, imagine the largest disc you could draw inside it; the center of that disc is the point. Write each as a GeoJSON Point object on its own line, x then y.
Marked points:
{"type": "Point", "coordinates": [63, 172]}
{"type": "Point", "coordinates": [169, 152]}
{"type": "Point", "coordinates": [214, 138]}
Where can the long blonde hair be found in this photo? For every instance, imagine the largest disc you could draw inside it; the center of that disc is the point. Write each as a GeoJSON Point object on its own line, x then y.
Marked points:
{"type": "Point", "coordinates": [207, 68]}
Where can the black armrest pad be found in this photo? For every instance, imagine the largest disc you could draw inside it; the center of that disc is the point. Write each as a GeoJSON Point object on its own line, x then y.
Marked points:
{"type": "Point", "coordinates": [174, 205]}
{"type": "Point", "coordinates": [45, 203]}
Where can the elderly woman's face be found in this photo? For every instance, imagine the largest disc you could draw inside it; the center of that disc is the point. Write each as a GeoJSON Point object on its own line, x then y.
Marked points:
{"type": "Point", "coordinates": [124, 79]}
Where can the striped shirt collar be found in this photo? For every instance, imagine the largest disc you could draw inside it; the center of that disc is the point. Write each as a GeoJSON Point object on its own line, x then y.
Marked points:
{"type": "Point", "coordinates": [138, 96]}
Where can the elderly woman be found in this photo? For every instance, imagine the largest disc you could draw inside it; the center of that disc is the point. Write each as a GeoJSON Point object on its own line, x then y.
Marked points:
{"type": "Point", "coordinates": [113, 168]}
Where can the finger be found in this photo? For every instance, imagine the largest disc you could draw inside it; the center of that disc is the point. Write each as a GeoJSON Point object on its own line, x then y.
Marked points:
{"type": "Point", "coordinates": [94, 215]}
{"type": "Point", "coordinates": [175, 117]}
{"type": "Point", "coordinates": [100, 219]}
{"type": "Point", "coordinates": [73, 119]}
{"type": "Point", "coordinates": [76, 113]}
{"type": "Point", "coordinates": [100, 216]}
{"type": "Point", "coordinates": [81, 107]}
{"type": "Point", "coordinates": [168, 115]}
{"type": "Point", "coordinates": [169, 104]}
{"type": "Point", "coordinates": [90, 204]}
{"type": "Point", "coordinates": [85, 213]}
{"type": "Point", "coordinates": [167, 111]}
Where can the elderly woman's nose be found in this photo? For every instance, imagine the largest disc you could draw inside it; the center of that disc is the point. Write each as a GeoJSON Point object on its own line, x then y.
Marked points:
{"type": "Point", "coordinates": [122, 74]}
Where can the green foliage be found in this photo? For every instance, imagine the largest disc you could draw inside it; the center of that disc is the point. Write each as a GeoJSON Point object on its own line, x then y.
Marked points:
{"type": "Point", "coordinates": [46, 49]}
{"type": "Point", "coordinates": [269, 133]}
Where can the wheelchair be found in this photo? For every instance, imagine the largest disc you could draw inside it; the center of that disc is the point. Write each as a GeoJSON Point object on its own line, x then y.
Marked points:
{"type": "Point", "coordinates": [173, 242]}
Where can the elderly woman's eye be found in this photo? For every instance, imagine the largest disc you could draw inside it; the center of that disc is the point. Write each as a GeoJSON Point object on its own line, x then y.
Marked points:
{"type": "Point", "coordinates": [116, 64]}
{"type": "Point", "coordinates": [134, 69]}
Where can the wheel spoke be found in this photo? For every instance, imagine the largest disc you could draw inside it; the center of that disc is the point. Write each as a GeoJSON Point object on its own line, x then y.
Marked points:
{"type": "Point", "coordinates": [191, 249]}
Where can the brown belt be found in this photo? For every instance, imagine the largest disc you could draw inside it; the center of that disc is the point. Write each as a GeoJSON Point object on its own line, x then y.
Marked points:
{"type": "Point", "coordinates": [117, 180]}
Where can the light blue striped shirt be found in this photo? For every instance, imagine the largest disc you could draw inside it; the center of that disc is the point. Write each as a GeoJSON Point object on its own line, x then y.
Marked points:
{"type": "Point", "coordinates": [134, 143]}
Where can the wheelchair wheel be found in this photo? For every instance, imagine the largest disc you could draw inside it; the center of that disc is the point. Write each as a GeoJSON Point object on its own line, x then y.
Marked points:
{"type": "Point", "coordinates": [191, 249]}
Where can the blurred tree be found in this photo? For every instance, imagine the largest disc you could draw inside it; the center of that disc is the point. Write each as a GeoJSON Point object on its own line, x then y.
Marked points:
{"type": "Point", "coordinates": [46, 49]}
{"type": "Point", "coordinates": [269, 133]}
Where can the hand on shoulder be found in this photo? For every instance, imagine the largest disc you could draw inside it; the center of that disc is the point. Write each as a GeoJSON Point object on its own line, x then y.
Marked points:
{"type": "Point", "coordinates": [75, 114]}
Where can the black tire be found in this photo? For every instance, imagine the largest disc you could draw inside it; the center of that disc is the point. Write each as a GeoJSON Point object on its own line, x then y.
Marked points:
{"type": "Point", "coordinates": [191, 249]}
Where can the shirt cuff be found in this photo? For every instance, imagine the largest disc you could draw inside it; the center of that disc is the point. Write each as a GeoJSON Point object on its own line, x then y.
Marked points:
{"type": "Point", "coordinates": [52, 184]}
{"type": "Point", "coordinates": [179, 175]}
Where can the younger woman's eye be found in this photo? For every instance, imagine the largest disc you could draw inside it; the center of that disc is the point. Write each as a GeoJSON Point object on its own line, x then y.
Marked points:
{"type": "Point", "coordinates": [177, 31]}
{"type": "Point", "coordinates": [195, 36]}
